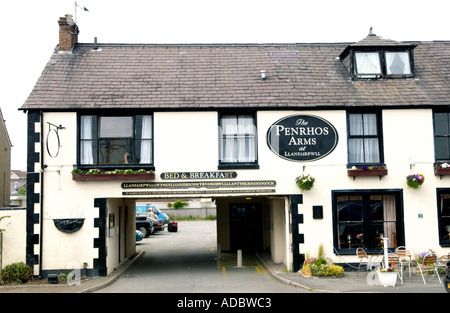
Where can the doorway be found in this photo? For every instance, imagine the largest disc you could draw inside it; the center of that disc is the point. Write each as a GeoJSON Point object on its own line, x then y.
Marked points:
{"type": "Point", "coordinates": [246, 227]}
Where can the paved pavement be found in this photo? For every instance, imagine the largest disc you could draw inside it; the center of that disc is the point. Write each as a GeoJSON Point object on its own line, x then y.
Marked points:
{"type": "Point", "coordinates": [351, 282]}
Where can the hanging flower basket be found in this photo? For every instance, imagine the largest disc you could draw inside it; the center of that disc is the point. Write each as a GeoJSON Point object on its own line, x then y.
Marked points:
{"type": "Point", "coordinates": [305, 182]}
{"type": "Point", "coordinates": [415, 180]}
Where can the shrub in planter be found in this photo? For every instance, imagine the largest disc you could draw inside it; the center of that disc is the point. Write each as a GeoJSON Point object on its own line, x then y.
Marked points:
{"type": "Point", "coordinates": [325, 270]}
{"type": "Point", "coordinates": [335, 270]}
{"type": "Point", "coordinates": [16, 273]}
{"type": "Point", "coordinates": [318, 267]}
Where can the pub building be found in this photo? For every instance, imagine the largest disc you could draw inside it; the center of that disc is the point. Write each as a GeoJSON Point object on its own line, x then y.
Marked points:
{"type": "Point", "coordinates": [239, 123]}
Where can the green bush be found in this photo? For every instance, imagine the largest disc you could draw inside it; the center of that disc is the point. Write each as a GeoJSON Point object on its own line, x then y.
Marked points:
{"type": "Point", "coordinates": [335, 270]}
{"type": "Point", "coordinates": [324, 270]}
{"type": "Point", "coordinates": [319, 261]}
{"type": "Point", "coordinates": [16, 273]}
{"type": "Point", "coordinates": [178, 204]}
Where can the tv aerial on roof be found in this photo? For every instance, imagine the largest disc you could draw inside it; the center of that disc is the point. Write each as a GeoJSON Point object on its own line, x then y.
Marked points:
{"type": "Point", "coordinates": [78, 6]}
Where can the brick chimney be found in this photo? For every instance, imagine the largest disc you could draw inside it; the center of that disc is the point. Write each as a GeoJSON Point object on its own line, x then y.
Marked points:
{"type": "Point", "coordinates": [68, 33]}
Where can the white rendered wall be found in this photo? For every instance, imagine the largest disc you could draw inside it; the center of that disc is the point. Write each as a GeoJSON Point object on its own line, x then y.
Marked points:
{"type": "Point", "coordinates": [188, 141]}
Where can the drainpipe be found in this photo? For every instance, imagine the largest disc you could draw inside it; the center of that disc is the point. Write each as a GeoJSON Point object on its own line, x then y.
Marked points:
{"type": "Point", "coordinates": [41, 217]}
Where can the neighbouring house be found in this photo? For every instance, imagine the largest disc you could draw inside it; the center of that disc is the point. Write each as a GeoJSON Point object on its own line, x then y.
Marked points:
{"type": "Point", "coordinates": [12, 219]}
{"type": "Point", "coordinates": [18, 181]}
{"type": "Point", "coordinates": [113, 124]}
{"type": "Point", "coordinates": [5, 163]}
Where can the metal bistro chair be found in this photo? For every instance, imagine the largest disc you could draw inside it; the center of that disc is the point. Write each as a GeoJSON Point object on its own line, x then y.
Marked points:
{"type": "Point", "coordinates": [442, 262]}
{"type": "Point", "coordinates": [405, 257]}
{"type": "Point", "coordinates": [429, 264]}
{"type": "Point", "coordinates": [363, 257]}
{"type": "Point", "coordinates": [394, 261]}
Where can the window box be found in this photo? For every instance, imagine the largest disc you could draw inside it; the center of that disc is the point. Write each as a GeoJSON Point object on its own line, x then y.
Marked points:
{"type": "Point", "coordinates": [442, 171]}
{"type": "Point", "coordinates": [100, 175]}
{"type": "Point", "coordinates": [361, 172]}
{"type": "Point", "coordinates": [104, 177]}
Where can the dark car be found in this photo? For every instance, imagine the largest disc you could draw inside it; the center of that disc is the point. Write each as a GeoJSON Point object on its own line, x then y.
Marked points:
{"type": "Point", "coordinates": [158, 224]}
{"type": "Point", "coordinates": [145, 225]}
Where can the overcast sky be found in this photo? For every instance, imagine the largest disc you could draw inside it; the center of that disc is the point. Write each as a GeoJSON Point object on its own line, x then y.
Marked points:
{"type": "Point", "coordinates": [29, 32]}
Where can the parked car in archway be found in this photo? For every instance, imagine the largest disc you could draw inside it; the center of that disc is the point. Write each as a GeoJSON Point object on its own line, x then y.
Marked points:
{"type": "Point", "coordinates": [143, 210]}
{"type": "Point", "coordinates": [145, 225]}
{"type": "Point", "coordinates": [139, 235]}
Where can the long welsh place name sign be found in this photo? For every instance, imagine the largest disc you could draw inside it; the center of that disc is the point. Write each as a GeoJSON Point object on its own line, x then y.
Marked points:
{"type": "Point", "coordinates": [302, 138]}
{"type": "Point", "coordinates": [198, 192]}
{"type": "Point", "coordinates": [198, 184]}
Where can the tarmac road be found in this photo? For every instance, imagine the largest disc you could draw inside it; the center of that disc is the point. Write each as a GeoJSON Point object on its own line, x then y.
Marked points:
{"type": "Point", "coordinates": [186, 262]}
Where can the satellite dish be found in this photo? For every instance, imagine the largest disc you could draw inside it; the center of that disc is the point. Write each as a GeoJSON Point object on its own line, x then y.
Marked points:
{"type": "Point", "coordinates": [70, 20]}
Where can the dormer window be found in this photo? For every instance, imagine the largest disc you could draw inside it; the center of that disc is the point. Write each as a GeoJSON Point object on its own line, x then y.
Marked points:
{"type": "Point", "coordinates": [367, 64]}
{"type": "Point", "coordinates": [398, 63]}
{"type": "Point", "coordinates": [378, 58]}
{"type": "Point", "coordinates": [382, 64]}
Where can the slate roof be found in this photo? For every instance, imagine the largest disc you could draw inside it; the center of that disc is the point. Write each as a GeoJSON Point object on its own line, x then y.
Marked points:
{"type": "Point", "coordinates": [214, 76]}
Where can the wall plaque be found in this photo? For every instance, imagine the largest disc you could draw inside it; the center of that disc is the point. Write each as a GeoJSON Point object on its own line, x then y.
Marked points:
{"type": "Point", "coordinates": [302, 138]}
{"type": "Point", "coordinates": [198, 175]}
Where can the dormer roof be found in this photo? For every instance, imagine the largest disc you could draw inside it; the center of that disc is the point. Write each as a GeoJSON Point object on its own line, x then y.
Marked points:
{"type": "Point", "coordinates": [372, 41]}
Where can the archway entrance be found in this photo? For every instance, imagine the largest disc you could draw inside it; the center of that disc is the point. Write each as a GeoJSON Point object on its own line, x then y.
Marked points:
{"type": "Point", "coordinates": [246, 224]}
{"type": "Point", "coordinates": [250, 224]}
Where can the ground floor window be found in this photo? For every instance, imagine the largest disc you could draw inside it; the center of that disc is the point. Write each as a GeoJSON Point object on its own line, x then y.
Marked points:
{"type": "Point", "coordinates": [444, 217]}
{"type": "Point", "coordinates": [363, 218]}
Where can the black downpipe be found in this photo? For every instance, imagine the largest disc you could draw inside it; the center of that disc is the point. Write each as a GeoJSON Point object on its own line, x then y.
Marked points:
{"type": "Point", "coordinates": [41, 116]}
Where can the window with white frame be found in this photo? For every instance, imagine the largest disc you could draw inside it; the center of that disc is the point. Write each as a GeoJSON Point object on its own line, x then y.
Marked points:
{"type": "Point", "coordinates": [238, 140]}
{"type": "Point", "coordinates": [116, 140]}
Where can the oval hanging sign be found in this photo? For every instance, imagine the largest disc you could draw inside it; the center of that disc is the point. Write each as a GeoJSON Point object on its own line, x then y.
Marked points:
{"type": "Point", "coordinates": [302, 138]}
